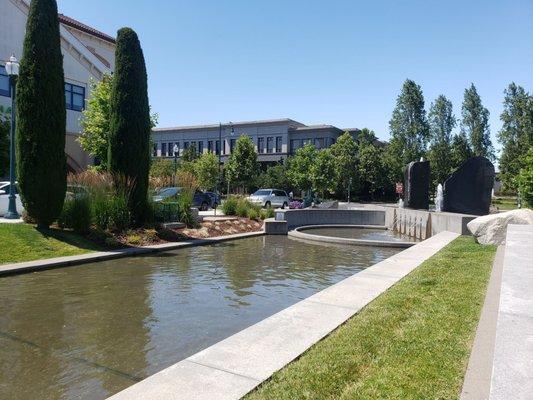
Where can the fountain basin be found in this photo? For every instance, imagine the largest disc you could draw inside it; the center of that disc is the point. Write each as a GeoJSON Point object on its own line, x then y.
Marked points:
{"type": "Point", "coordinates": [358, 235]}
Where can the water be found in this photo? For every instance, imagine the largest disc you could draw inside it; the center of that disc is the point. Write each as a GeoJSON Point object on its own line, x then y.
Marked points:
{"type": "Point", "coordinates": [360, 233]}
{"type": "Point", "coordinates": [92, 330]}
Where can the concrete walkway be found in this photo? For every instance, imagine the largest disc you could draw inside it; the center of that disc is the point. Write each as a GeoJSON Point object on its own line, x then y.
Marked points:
{"type": "Point", "coordinates": [236, 365]}
{"type": "Point", "coordinates": [512, 376]}
{"type": "Point", "coordinates": [476, 385]}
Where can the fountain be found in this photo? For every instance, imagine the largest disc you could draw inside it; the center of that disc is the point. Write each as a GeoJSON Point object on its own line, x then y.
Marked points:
{"type": "Point", "coordinates": [439, 199]}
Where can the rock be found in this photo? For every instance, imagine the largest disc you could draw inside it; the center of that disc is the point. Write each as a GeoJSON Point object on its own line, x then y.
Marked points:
{"type": "Point", "coordinates": [469, 189]}
{"type": "Point", "coordinates": [491, 229]}
{"type": "Point", "coordinates": [417, 185]}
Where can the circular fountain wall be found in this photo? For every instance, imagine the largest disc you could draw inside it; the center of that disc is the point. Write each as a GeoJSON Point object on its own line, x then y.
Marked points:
{"type": "Point", "coordinates": [359, 235]}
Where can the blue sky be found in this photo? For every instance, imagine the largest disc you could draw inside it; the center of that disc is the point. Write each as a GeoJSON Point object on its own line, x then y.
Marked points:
{"type": "Point", "coordinates": [336, 62]}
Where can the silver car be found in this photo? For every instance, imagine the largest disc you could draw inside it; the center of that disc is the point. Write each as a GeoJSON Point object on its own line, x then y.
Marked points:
{"type": "Point", "coordinates": [270, 198]}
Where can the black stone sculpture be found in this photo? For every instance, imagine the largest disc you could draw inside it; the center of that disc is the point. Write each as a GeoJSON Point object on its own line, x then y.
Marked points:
{"type": "Point", "coordinates": [469, 189]}
{"type": "Point", "coordinates": [417, 185]}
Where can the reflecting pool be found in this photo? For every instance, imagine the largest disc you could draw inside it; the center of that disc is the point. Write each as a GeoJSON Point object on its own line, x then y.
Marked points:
{"type": "Point", "coordinates": [92, 330]}
{"type": "Point", "coordinates": [360, 233]}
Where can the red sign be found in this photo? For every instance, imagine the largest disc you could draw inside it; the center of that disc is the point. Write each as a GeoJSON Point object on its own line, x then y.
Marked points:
{"type": "Point", "coordinates": [399, 188]}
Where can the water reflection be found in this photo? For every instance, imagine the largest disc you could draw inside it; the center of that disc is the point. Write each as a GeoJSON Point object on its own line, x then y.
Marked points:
{"type": "Point", "coordinates": [90, 331]}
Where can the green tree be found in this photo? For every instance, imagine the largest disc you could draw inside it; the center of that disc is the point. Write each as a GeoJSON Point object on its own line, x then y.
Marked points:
{"type": "Point", "coordinates": [408, 127]}
{"type": "Point", "coordinates": [344, 152]}
{"type": "Point", "coordinates": [323, 172]}
{"type": "Point", "coordinates": [95, 123]}
{"type": "Point", "coordinates": [441, 123]}
{"type": "Point", "coordinates": [372, 172]}
{"type": "Point", "coordinates": [5, 126]}
{"type": "Point", "coordinates": [516, 135]}
{"type": "Point", "coordinates": [189, 154]}
{"type": "Point", "coordinates": [525, 179]}
{"type": "Point", "coordinates": [299, 167]}
{"type": "Point", "coordinates": [275, 176]}
{"type": "Point", "coordinates": [129, 143]}
{"type": "Point", "coordinates": [460, 151]}
{"type": "Point", "coordinates": [475, 124]}
{"type": "Point", "coordinates": [162, 168]}
{"type": "Point", "coordinates": [41, 116]}
{"type": "Point", "coordinates": [206, 168]}
{"type": "Point", "coordinates": [242, 167]}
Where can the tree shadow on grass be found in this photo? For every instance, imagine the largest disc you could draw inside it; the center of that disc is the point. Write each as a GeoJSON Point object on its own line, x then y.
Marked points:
{"type": "Point", "coordinates": [70, 238]}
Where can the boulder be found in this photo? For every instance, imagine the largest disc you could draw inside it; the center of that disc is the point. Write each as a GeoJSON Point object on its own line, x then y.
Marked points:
{"type": "Point", "coordinates": [491, 229]}
{"type": "Point", "coordinates": [417, 185]}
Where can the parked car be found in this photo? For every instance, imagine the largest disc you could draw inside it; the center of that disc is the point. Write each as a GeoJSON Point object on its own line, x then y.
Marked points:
{"type": "Point", "coordinates": [270, 198]}
{"type": "Point", "coordinates": [200, 199]}
{"type": "Point", "coordinates": [215, 199]}
{"type": "Point", "coordinates": [4, 199]}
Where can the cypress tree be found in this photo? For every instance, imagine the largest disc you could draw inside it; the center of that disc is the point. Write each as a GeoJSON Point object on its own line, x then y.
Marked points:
{"type": "Point", "coordinates": [129, 144]}
{"type": "Point", "coordinates": [475, 124]}
{"type": "Point", "coordinates": [41, 116]}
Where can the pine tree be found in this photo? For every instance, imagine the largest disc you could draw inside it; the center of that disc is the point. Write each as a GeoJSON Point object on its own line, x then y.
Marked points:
{"type": "Point", "coordinates": [516, 135]}
{"type": "Point", "coordinates": [475, 124]}
{"type": "Point", "coordinates": [441, 124]}
{"type": "Point", "coordinates": [460, 151]}
{"type": "Point", "coordinates": [129, 144]}
{"type": "Point", "coordinates": [41, 116]}
{"type": "Point", "coordinates": [409, 127]}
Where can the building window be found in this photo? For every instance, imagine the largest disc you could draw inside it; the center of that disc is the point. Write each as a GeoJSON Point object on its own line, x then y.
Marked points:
{"type": "Point", "coordinates": [201, 147]}
{"type": "Point", "coordinates": [270, 144]}
{"type": "Point", "coordinates": [261, 145]}
{"type": "Point", "coordinates": [170, 149]}
{"type": "Point", "coordinates": [193, 145]}
{"type": "Point", "coordinates": [210, 148]}
{"type": "Point", "coordinates": [319, 143]}
{"type": "Point", "coordinates": [295, 145]}
{"type": "Point", "coordinates": [154, 153]}
{"type": "Point", "coordinates": [279, 142]}
{"type": "Point", "coordinates": [231, 145]}
{"type": "Point", "coordinates": [217, 147]}
{"type": "Point", "coordinates": [5, 90]}
{"type": "Point", "coordinates": [186, 145]}
{"type": "Point", "coordinates": [74, 97]}
{"type": "Point", "coordinates": [163, 149]}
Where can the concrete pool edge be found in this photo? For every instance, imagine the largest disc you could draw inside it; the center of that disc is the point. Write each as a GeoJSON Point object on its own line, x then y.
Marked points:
{"type": "Point", "coordinates": [61, 262]}
{"type": "Point", "coordinates": [234, 366]}
{"type": "Point", "coordinates": [300, 234]}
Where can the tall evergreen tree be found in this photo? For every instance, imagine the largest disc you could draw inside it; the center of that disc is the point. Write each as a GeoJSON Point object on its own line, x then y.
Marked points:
{"type": "Point", "coordinates": [41, 116]}
{"type": "Point", "coordinates": [409, 127]}
{"type": "Point", "coordinates": [516, 135]}
{"type": "Point", "coordinates": [129, 144]}
{"type": "Point", "coordinates": [460, 151]}
{"type": "Point", "coordinates": [441, 123]}
{"type": "Point", "coordinates": [475, 124]}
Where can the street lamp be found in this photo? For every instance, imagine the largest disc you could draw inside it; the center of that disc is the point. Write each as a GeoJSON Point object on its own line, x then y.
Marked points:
{"type": "Point", "coordinates": [176, 151]}
{"type": "Point", "coordinates": [12, 70]}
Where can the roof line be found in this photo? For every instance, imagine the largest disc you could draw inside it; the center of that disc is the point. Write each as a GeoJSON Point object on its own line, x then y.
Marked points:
{"type": "Point", "coordinates": [213, 126]}
{"type": "Point", "coordinates": [73, 23]}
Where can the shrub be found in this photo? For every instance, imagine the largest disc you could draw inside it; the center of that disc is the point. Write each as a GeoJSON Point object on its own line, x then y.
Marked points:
{"type": "Point", "coordinates": [229, 207]}
{"type": "Point", "coordinates": [118, 212]}
{"type": "Point", "coordinates": [242, 208]}
{"type": "Point", "coordinates": [76, 214]}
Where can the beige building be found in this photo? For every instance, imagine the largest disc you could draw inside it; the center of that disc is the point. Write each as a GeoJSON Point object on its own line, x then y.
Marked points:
{"type": "Point", "coordinates": [88, 54]}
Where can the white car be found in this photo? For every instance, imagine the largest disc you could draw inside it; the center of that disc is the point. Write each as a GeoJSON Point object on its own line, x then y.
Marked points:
{"type": "Point", "coordinates": [4, 199]}
{"type": "Point", "coordinates": [270, 198]}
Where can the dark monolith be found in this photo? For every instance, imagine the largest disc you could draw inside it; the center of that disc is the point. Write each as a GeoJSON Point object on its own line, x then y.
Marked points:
{"type": "Point", "coordinates": [417, 175]}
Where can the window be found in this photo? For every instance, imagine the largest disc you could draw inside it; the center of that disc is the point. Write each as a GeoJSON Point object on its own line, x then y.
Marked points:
{"type": "Point", "coordinates": [231, 145]}
{"type": "Point", "coordinates": [74, 97]}
{"type": "Point", "coordinates": [201, 147]}
{"type": "Point", "coordinates": [280, 193]}
{"type": "Point", "coordinates": [319, 143]}
{"type": "Point", "coordinates": [217, 149]}
{"type": "Point", "coordinates": [170, 149]}
{"type": "Point", "coordinates": [279, 142]}
{"type": "Point", "coordinates": [154, 153]}
{"type": "Point", "coordinates": [193, 145]}
{"type": "Point", "coordinates": [295, 145]}
{"type": "Point", "coordinates": [270, 144]}
{"type": "Point", "coordinates": [210, 148]}
{"type": "Point", "coordinates": [5, 90]}
{"type": "Point", "coordinates": [163, 149]}
{"type": "Point", "coordinates": [261, 145]}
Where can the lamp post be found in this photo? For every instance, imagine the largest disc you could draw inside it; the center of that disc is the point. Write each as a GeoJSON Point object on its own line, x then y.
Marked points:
{"type": "Point", "coordinates": [12, 70]}
{"type": "Point", "coordinates": [175, 151]}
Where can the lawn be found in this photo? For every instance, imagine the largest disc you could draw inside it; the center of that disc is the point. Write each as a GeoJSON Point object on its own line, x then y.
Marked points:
{"type": "Point", "coordinates": [22, 242]}
{"type": "Point", "coordinates": [413, 342]}
{"type": "Point", "coordinates": [505, 203]}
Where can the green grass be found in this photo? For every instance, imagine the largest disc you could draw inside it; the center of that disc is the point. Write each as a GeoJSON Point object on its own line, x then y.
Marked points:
{"type": "Point", "coordinates": [505, 203]}
{"type": "Point", "coordinates": [22, 242]}
{"type": "Point", "coordinates": [413, 342]}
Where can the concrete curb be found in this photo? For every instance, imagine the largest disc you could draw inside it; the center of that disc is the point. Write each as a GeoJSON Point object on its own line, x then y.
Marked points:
{"type": "Point", "coordinates": [233, 367]}
{"type": "Point", "coordinates": [300, 234]}
{"type": "Point", "coordinates": [38, 265]}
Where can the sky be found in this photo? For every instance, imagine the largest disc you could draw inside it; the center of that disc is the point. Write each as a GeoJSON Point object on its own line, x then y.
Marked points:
{"type": "Point", "coordinates": [339, 62]}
